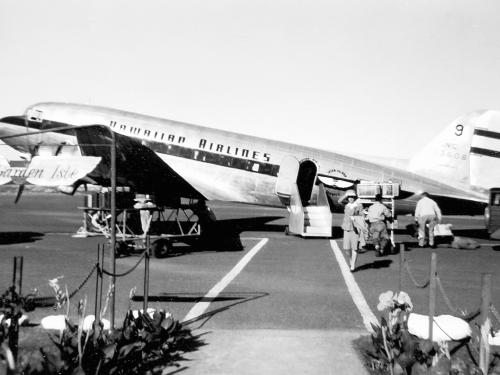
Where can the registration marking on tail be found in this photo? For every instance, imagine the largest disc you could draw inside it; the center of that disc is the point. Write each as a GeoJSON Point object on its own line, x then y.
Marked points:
{"type": "Point", "coordinates": [353, 288]}
{"type": "Point", "coordinates": [201, 307]}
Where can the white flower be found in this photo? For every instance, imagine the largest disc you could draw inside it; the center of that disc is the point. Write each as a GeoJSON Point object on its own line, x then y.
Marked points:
{"type": "Point", "coordinates": [385, 301]}
{"type": "Point", "coordinates": [402, 298]}
{"type": "Point", "coordinates": [54, 283]}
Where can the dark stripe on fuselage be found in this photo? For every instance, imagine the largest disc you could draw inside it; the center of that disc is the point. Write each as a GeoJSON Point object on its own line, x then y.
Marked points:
{"type": "Point", "coordinates": [487, 133]}
{"type": "Point", "coordinates": [485, 152]}
{"type": "Point", "coordinates": [214, 158]}
{"type": "Point", "coordinates": [203, 156]}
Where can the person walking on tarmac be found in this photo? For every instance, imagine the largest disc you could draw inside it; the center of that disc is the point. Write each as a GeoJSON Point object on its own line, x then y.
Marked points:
{"type": "Point", "coordinates": [351, 234]}
{"type": "Point", "coordinates": [427, 214]}
{"type": "Point", "coordinates": [377, 215]}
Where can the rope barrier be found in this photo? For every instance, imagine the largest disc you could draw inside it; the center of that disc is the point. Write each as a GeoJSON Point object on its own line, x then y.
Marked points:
{"type": "Point", "coordinates": [495, 313]}
{"type": "Point", "coordinates": [456, 311]}
{"type": "Point", "coordinates": [83, 282]}
{"type": "Point", "coordinates": [126, 272]}
{"type": "Point", "coordinates": [418, 285]}
{"type": "Point", "coordinates": [446, 333]}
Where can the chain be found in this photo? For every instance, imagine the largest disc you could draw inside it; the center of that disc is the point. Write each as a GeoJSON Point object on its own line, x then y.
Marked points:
{"type": "Point", "coordinates": [424, 285]}
{"type": "Point", "coordinates": [126, 272]}
{"type": "Point", "coordinates": [456, 311]}
{"type": "Point", "coordinates": [83, 282]}
{"type": "Point", "coordinates": [446, 298]}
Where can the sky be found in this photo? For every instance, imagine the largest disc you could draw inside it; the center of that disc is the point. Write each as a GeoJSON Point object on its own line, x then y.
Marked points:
{"type": "Point", "coordinates": [375, 77]}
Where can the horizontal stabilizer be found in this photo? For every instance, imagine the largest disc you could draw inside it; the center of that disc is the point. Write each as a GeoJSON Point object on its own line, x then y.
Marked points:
{"type": "Point", "coordinates": [48, 170]}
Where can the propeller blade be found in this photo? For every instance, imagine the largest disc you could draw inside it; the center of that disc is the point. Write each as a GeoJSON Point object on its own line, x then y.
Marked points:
{"type": "Point", "coordinates": [19, 193]}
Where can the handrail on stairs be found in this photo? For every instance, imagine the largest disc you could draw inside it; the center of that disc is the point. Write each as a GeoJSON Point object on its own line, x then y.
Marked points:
{"type": "Point", "coordinates": [296, 221]}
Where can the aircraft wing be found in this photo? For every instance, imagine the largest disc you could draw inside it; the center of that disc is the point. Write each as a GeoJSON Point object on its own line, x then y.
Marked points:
{"type": "Point", "coordinates": [137, 166]}
{"type": "Point", "coordinates": [47, 170]}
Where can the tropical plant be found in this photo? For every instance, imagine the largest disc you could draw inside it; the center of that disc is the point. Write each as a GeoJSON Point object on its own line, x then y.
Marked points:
{"type": "Point", "coordinates": [394, 350]}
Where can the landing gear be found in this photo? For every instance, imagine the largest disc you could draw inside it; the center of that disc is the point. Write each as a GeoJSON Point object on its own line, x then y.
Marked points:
{"type": "Point", "coordinates": [122, 249]}
{"type": "Point", "coordinates": [161, 248]}
{"type": "Point", "coordinates": [287, 230]}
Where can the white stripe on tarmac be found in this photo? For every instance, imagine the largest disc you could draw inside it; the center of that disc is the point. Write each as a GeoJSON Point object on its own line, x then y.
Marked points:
{"type": "Point", "coordinates": [353, 288]}
{"type": "Point", "coordinates": [201, 307]}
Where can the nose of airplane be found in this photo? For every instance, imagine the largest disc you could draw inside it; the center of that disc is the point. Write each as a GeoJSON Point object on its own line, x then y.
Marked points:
{"type": "Point", "coordinates": [10, 127]}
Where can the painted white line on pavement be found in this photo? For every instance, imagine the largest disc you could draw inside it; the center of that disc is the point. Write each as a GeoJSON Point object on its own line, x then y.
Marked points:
{"type": "Point", "coordinates": [353, 288]}
{"type": "Point", "coordinates": [201, 307]}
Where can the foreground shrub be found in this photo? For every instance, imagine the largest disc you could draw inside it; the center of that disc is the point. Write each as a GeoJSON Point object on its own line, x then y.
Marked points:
{"type": "Point", "coordinates": [391, 349]}
{"type": "Point", "coordinates": [144, 344]}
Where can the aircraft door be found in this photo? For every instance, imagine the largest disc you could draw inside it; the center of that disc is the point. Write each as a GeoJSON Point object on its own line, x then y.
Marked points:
{"type": "Point", "coordinates": [287, 177]}
{"type": "Point", "coordinates": [492, 212]}
{"type": "Point", "coordinates": [305, 180]}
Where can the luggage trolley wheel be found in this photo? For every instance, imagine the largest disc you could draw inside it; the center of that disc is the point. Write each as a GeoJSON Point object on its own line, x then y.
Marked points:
{"type": "Point", "coordinates": [161, 247]}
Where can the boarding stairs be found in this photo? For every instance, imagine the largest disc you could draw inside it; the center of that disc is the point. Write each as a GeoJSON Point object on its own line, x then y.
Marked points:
{"type": "Point", "coordinates": [311, 220]}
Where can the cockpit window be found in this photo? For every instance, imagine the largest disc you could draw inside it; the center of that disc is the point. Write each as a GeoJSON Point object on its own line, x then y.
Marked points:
{"type": "Point", "coordinates": [35, 115]}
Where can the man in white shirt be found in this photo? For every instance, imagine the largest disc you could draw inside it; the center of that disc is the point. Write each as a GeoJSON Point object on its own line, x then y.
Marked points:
{"type": "Point", "coordinates": [428, 213]}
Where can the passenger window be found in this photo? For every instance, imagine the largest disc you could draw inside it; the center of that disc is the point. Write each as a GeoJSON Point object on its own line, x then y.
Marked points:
{"type": "Point", "coordinates": [35, 115]}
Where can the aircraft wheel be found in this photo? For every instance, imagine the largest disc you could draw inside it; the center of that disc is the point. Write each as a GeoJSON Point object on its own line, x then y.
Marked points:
{"type": "Point", "coordinates": [287, 231]}
{"type": "Point", "coordinates": [161, 248]}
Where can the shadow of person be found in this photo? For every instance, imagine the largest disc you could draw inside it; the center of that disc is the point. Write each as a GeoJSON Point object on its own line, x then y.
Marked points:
{"type": "Point", "coordinates": [481, 234]}
{"type": "Point", "coordinates": [337, 232]}
{"type": "Point", "coordinates": [385, 263]}
{"type": "Point", "coordinates": [7, 238]}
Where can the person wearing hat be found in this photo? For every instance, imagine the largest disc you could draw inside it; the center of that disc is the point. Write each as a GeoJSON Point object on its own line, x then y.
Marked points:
{"type": "Point", "coordinates": [427, 214]}
{"type": "Point", "coordinates": [377, 215]}
{"type": "Point", "coordinates": [144, 204]}
{"type": "Point", "coordinates": [351, 234]}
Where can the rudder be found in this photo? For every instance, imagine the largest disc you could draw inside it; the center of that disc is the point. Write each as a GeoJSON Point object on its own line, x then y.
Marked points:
{"type": "Point", "coordinates": [465, 153]}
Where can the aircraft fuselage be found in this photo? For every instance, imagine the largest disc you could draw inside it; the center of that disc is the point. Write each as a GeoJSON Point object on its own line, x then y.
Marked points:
{"type": "Point", "coordinates": [224, 165]}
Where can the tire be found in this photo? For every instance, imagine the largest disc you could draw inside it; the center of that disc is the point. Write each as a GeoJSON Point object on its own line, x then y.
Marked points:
{"type": "Point", "coordinates": [161, 248]}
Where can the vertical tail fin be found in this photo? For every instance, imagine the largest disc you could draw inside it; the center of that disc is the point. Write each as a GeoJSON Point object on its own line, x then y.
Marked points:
{"type": "Point", "coordinates": [465, 154]}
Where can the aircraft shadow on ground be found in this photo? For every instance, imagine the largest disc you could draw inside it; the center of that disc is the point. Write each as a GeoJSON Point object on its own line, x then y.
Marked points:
{"type": "Point", "coordinates": [188, 298]}
{"type": "Point", "coordinates": [7, 238]}
{"type": "Point", "coordinates": [238, 298]}
{"type": "Point", "coordinates": [225, 235]}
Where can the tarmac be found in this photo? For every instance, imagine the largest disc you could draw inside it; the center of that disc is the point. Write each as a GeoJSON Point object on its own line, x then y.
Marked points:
{"type": "Point", "coordinates": [277, 352]}
{"type": "Point", "coordinates": [287, 312]}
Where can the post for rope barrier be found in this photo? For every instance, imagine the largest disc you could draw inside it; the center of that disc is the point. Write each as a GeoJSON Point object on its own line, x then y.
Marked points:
{"type": "Point", "coordinates": [401, 266]}
{"type": "Point", "coordinates": [146, 276]}
{"type": "Point", "coordinates": [17, 278]}
{"type": "Point", "coordinates": [101, 284]}
{"type": "Point", "coordinates": [113, 231]}
{"type": "Point", "coordinates": [98, 287]}
{"type": "Point", "coordinates": [17, 281]}
{"type": "Point", "coordinates": [484, 347]}
{"type": "Point", "coordinates": [432, 293]}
